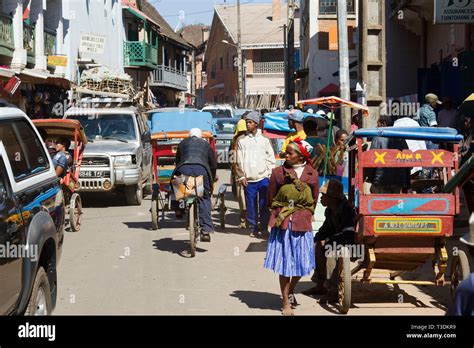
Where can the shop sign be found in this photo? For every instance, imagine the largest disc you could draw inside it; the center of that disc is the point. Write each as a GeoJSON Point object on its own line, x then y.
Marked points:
{"type": "Point", "coordinates": [454, 11]}
{"type": "Point", "coordinates": [92, 44]}
{"type": "Point", "coordinates": [57, 60]}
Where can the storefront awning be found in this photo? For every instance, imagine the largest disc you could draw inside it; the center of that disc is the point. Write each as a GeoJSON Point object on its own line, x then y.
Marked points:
{"type": "Point", "coordinates": [35, 73]}
{"type": "Point", "coordinates": [41, 77]}
{"type": "Point", "coordinates": [4, 72]}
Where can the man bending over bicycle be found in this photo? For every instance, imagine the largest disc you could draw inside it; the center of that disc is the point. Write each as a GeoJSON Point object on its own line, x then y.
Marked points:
{"type": "Point", "coordinates": [195, 157]}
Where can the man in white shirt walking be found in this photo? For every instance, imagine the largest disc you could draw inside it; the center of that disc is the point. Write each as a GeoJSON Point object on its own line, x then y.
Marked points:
{"type": "Point", "coordinates": [255, 161]}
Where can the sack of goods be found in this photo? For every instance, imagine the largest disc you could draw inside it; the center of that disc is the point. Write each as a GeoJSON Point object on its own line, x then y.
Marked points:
{"type": "Point", "coordinates": [187, 186]}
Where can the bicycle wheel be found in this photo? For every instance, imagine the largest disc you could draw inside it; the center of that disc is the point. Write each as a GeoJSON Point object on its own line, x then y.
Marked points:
{"type": "Point", "coordinates": [192, 228]}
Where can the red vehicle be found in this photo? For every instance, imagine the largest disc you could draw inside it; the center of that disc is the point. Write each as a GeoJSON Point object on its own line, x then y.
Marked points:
{"type": "Point", "coordinates": [53, 129]}
{"type": "Point", "coordinates": [401, 232]}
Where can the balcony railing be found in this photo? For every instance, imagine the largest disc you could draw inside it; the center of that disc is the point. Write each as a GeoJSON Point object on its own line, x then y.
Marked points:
{"type": "Point", "coordinates": [6, 34]}
{"type": "Point", "coordinates": [29, 39]}
{"type": "Point", "coordinates": [170, 77]}
{"type": "Point", "coordinates": [268, 68]}
{"type": "Point", "coordinates": [140, 53]}
{"type": "Point", "coordinates": [49, 42]}
{"type": "Point", "coordinates": [329, 7]}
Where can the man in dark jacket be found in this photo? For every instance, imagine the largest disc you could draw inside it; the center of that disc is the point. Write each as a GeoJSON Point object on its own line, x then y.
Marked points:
{"type": "Point", "coordinates": [337, 230]}
{"type": "Point", "coordinates": [195, 157]}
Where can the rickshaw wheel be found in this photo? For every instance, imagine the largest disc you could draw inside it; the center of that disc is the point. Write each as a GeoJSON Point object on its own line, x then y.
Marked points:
{"type": "Point", "coordinates": [154, 215]}
{"type": "Point", "coordinates": [192, 228]}
{"type": "Point", "coordinates": [459, 270]}
{"type": "Point", "coordinates": [75, 212]}
{"type": "Point", "coordinates": [345, 282]}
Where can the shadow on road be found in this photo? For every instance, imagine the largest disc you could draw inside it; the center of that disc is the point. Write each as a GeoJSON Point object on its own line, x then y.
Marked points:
{"type": "Point", "coordinates": [143, 225]}
{"type": "Point", "coordinates": [258, 300]}
{"type": "Point", "coordinates": [368, 294]}
{"type": "Point", "coordinates": [90, 200]}
{"type": "Point", "coordinates": [105, 200]}
{"type": "Point", "coordinates": [179, 247]}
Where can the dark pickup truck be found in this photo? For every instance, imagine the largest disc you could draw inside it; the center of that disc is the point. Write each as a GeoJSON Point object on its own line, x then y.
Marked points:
{"type": "Point", "coordinates": [32, 217]}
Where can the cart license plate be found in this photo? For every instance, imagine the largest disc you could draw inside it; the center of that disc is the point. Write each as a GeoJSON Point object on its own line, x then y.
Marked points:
{"type": "Point", "coordinates": [91, 174]}
{"type": "Point", "coordinates": [389, 225]}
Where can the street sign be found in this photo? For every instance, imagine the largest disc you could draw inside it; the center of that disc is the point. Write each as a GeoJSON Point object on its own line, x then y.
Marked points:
{"type": "Point", "coordinates": [57, 60]}
{"type": "Point", "coordinates": [454, 11]}
{"type": "Point", "coordinates": [92, 44]}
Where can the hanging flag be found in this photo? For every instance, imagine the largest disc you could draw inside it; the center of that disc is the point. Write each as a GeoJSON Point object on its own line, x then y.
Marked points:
{"type": "Point", "coordinates": [26, 11]}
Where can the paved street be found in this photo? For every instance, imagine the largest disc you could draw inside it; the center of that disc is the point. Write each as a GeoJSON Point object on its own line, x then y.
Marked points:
{"type": "Point", "coordinates": [117, 265]}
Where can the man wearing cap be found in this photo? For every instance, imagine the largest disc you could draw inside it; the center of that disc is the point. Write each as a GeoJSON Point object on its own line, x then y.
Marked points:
{"type": "Point", "coordinates": [195, 157]}
{"type": "Point", "coordinates": [427, 115]}
{"type": "Point", "coordinates": [295, 121]}
{"type": "Point", "coordinates": [338, 229]}
{"type": "Point", "coordinates": [255, 161]}
{"type": "Point", "coordinates": [240, 132]}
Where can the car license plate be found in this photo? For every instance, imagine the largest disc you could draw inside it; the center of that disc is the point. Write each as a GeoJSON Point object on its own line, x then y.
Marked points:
{"type": "Point", "coordinates": [91, 174]}
{"type": "Point", "coordinates": [222, 142]}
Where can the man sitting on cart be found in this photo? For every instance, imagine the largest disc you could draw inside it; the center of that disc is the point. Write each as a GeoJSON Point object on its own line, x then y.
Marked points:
{"type": "Point", "coordinates": [194, 157]}
{"type": "Point", "coordinates": [337, 230]}
{"type": "Point", "coordinates": [62, 157]}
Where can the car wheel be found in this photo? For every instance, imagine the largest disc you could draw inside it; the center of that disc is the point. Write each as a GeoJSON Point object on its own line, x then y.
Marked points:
{"type": "Point", "coordinates": [40, 299]}
{"type": "Point", "coordinates": [134, 194]}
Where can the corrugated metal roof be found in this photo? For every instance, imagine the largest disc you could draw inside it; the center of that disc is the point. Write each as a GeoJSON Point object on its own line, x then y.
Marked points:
{"type": "Point", "coordinates": [258, 28]}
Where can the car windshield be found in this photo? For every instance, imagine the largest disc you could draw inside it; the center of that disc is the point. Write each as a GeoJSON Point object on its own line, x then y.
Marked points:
{"type": "Point", "coordinates": [114, 126]}
{"type": "Point", "coordinates": [219, 113]}
{"type": "Point", "coordinates": [226, 126]}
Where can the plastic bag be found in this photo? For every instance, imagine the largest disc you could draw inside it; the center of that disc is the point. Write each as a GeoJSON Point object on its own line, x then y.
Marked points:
{"type": "Point", "coordinates": [187, 186]}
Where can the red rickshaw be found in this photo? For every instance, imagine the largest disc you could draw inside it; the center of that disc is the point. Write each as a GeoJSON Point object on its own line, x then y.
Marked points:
{"type": "Point", "coordinates": [53, 129]}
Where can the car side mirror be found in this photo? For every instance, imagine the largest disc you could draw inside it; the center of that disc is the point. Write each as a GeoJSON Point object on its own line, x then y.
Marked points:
{"type": "Point", "coordinates": [146, 137]}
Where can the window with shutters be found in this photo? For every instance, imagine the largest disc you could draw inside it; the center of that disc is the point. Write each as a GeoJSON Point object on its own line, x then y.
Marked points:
{"type": "Point", "coordinates": [329, 7]}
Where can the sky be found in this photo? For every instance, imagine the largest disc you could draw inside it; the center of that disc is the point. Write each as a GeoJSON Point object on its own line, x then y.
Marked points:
{"type": "Point", "coordinates": [195, 11]}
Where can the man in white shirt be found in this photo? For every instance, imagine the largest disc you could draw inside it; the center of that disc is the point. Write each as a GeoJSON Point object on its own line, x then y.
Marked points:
{"type": "Point", "coordinates": [255, 161]}
{"type": "Point", "coordinates": [413, 145]}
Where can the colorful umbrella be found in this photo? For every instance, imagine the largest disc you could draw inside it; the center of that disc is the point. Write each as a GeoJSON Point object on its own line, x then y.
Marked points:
{"type": "Point", "coordinates": [333, 103]}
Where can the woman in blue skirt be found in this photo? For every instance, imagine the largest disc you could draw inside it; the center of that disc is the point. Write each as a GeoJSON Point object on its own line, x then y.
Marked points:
{"type": "Point", "coordinates": [293, 193]}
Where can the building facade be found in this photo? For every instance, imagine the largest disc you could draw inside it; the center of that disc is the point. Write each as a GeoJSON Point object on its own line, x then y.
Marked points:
{"type": "Point", "coordinates": [432, 57]}
{"type": "Point", "coordinates": [30, 33]}
{"type": "Point", "coordinates": [263, 54]}
{"type": "Point", "coordinates": [319, 60]}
